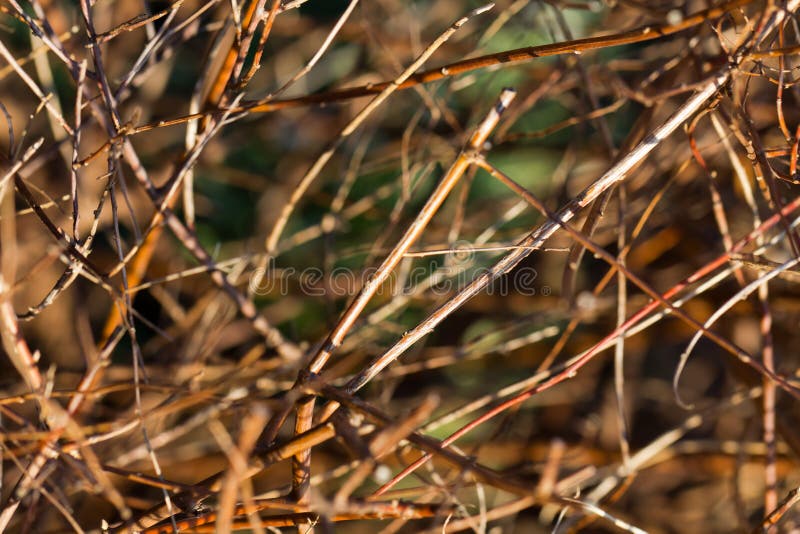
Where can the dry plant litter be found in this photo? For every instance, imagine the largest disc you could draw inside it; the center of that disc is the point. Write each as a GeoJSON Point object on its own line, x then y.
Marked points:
{"type": "Point", "coordinates": [386, 266]}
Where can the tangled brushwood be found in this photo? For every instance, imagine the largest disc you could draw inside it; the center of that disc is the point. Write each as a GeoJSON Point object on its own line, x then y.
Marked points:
{"type": "Point", "coordinates": [392, 266]}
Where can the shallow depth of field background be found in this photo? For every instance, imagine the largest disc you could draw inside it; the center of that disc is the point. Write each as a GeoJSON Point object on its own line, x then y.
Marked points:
{"type": "Point", "coordinates": [203, 372]}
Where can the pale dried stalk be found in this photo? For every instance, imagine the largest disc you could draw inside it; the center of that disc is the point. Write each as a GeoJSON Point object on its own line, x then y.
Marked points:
{"type": "Point", "coordinates": [272, 240]}
{"type": "Point", "coordinates": [541, 234]}
{"type": "Point", "coordinates": [648, 455]}
{"type": "Point", "coordinates": [412, 234]}
{"type": "Point", "coordinates": [741, 295]}
{"type": "Point", "coordinates": [25, 362]}
{"type": "Point", "coordinates": [334, 340]}
{"type": "Point", "coordinates": [768, 400]}
{"type": "Point", "coordinates": [45, 99]}
{"type": "Point", "coordinates": [50, 40]}
{"type": "Point", "coordinates": [189, 239]}
{"type": "Point", "coordinates": [632, 327]}
{"type": "Point", "coordinates": [538, 237]}
{"type": "Point", "coordinates": [14, 344]}
{"type": "Point", "coordinates": [471, 469]}
{"type": "Point", "coordinates": [238, 455]}
{"type": "Point", "coordinates": [776, 514]}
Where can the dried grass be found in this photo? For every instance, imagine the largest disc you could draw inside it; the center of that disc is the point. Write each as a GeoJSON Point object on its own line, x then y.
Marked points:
{"type": "Point", "coordinates": [399, 266]}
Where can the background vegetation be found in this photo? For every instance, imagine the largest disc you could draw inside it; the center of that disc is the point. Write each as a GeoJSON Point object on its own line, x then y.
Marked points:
{"type": "Point", "coordinates": [260, 257]}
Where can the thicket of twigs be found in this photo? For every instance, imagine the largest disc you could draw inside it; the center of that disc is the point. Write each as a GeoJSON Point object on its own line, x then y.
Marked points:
{"type": "Point", "coordinates": [373, 267]}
